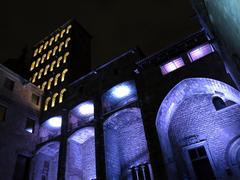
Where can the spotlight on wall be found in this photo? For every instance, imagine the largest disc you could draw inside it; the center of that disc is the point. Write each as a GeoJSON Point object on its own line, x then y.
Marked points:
{"type": "Point", "coordinates": [121, 91]}
{"type": "Point", "coordinates": [86, 109]}
{"type": "Point", "coordinates": [55, 122]}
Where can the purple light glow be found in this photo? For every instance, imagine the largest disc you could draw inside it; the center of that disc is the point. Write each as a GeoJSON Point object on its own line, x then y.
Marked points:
{"type": "Point", "coordinates": [55, 122]}
{"type": "Point", "coordinates": [172, 65]}
{"type": "Point", "coordinates": [200, 52]}
{"type": "Point", "coordinates": [86, 109]}
{"type": "Point", "coordinates": [121, 91]}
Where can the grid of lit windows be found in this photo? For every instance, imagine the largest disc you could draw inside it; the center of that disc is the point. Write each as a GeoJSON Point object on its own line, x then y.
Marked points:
{"type": "Point", "coordinates": [56, 98]}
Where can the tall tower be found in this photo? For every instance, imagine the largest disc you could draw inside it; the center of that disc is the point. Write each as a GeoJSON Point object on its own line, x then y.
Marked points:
{"type": "Point", "coordinates": [59, 59]}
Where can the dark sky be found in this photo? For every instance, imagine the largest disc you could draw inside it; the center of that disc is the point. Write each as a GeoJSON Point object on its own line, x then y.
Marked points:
{"type": "Point", "coordinates": [115, 25]}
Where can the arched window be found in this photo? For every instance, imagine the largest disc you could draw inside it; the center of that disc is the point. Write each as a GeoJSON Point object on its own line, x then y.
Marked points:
{"type": "Point", "coordinates": [65, 57]}
{"type": "Point", "coordinates": [68, 29]}
{"type": "Point", "coordinates": [56, 37]}
{"type": "Point", "coordinates": [60, 46]}
{"type": "Point", "coordinates": [44, 85]}
{"type": "Point", "coordinates": [43, 58]}
{"type": "Point", "coordinates": [34, 77]}
{"type": "Point", "coordinates": [64, 74]}
{"type": "Point", "coordinates": [218, 103]}
{"type": "Point", "coordinates": [49, 54]}
{"type": "Point", "coordinates": [38, 61]}
{"type": "Point", "coordinates": [62, 33]}
{"type": "Point", "coordinates": [46, 69]}
{"type": "Point", "coordinates": [59, 61]}
{"type": "Point", "coordinates": [40, 49]}
{"type": "Point", "coordinates": [40, 73]}
{"type": "Point", "coordinates": [35, 52]}
{"type": "Point", "coordinates": [51, 41]}
{"type": "Point", "coordinates": [61, 95]}
{"type": "Point", "coordinates": [52, 65]}
{"type": "Point", "coordinates": [54, 50]}
{"type": "Point", "coordinates": [49, 83]}
{"type": "Point", "coordinates": [67, 41]}
{"type": "Point", "coordinates": [32, 66]}
{"type": "Point", "coordinates": [45, 45]}
{"type": "Point", "coordinates": [56, 79]}
{"type": "Point", "coordinates": [46, 103]}
{"type": "Point", "coordinates": [54, 99]}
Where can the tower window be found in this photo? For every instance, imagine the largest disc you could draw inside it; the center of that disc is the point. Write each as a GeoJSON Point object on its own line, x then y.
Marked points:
{"type": "Point", "coordinates": [46, 103]}
{"type": "Point", "coordinates": [55, 50]}
{"type": "Point", "coordinates": [46, 69]}
{"type": "Point", "coordinates": [43, 58]}
{"type": "Point", "coordinates": [172, 65]}
{"type": "Point", "coordinates": [30, 125]}
{"type": "Point", "coordinates": [64, 74]}
{"type": "Point", "coordinates": [65, 57]}
{"type": "Point", "coordinates": [59, 61]}
{"type": "Point", "coordinates": [38, 61]}
{"type": "Point", "coordinates": [62, 33]}
{"type": "Point", "coordinates": [68, 29]}
{"type": "Point", "coordinates": [44, 85]}
{"type": "Point", "coordinates": [52, 65]}
{"type": "Point", "coordinates": [49, 54]}
{"type": "Point", "coordinates": [9, 84]}
{"type": "Point", "coordinates": [51, 41]}
{"type": "Point", "coordinates": [56, 37]}
{"type": "Point", "coordinates": [34, 77]}
{"type": "Point", "coordinates": [61, 95]}
{"type": "Point", "coordinates": [32, 66]}
{"type": "Point", "coordinates": [3, 111]}
{"type": "Point", "coordinates": [35, 52]}
{"type": "Point", "coordinates": [49, 83]}
{"type": "Point", "coordinates": [40, 73]}
{"type": "Point", "coordinates": [56, 79]}
{"type": "Point", "coordinates": [35, 99]}
{"type": "Point", "coordinates": [60, 46]}
{"type": "Point", "coordinates": [218, 103]}
{"type": "Point", "coordinates": [45, 45]}
{"type": "Point", "coordinates": [54, 99]}
{"type": "Point", "coordinates": [40, 49]}
{"type": "Point", "coordinates": [67, 41]}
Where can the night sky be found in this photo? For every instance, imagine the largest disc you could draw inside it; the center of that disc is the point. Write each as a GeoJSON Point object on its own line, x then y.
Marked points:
{"type": "Point", "coordinates": [115, 26]}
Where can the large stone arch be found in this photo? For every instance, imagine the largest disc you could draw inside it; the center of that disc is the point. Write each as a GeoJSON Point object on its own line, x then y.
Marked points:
{"type": "Point", "coordinates": [185, 89]}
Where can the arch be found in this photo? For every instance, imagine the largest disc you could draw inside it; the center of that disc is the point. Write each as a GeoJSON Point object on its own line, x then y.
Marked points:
{"type": "Point", "coordinates": [44, 85]}
{"type": "Point", "coordinates": [184, 89]}
{"type": "Point", "coordinates": [64, 74]}
{"type": "Point", "coordinates": [55, 50]}
{"type": "Point", "coordinates": [40, 49]}
{"type": "Point", "coordinates": [45, 162]}
{"type": "Point", "coordinates": [68, 29]}
{"type": "Point", "coordinates": [49, 83]}
{"type": "Point", "coordinates": [51, 41]}
{"type": "Point", "coordinates": [61, 95]}
{"type": "Point", "coordinates": [82, 142]}
{"type": "Point", "coordinates": [54, 99]}
{"type": "Point", "coordinates": [67, 41]}
{"type": "Point", "coordinates": [52, 65]}
{"type": "Point", "coordinates": [59, 61]}
{"type": "Point", "coordinates": [35, 52]}
{"type": "Point", "coordinates": [48, 99]}
{"type": "Point", "coordinates": [40, 73]}
{"type": "Point", "coordinates": [46, 69]}
{"type": "Point", "coordinates": [56, 37]}
{"type": "Point", "coordinates": [34, 77]}
{"type": "Point", "coordinates": [56, 79]}
{"type": "Point", "coordinates": [32, 66]}
{"type": "Point", "coordinates": [38, 61]}
{"type": "Point", "coordinates": [43, 58]}
{"type": "Point", "coordinates": [60, 46]}
{"type": "Point", "coordinates": [49, 54]}
{"type": "Point", "coordinates": [65, 57]}
{"type": "Point", "coordinates": [46, 44]}
{"type": "Point", "coordinates": [62, 33]}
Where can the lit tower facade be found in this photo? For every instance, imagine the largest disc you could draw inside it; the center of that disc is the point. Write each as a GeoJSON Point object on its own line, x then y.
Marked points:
{"type": "Point", "coordinates": [59, 59]}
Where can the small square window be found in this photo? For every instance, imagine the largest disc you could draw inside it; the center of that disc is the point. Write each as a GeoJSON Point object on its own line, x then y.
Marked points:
{"type": "Point", "coordinates": [30, 125]}
{"type": "Point", "coordinates": [9, 84]}
{"type": "Point", "coordinates": [3, 111]}
{"type": "Point", "coordinates": [35, 99]}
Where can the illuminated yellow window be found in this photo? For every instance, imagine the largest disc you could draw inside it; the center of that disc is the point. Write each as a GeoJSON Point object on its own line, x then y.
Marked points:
{"type": "Point", "coordinates": [54, 50]}
{"type": "Point", "coordinates": [67, 41]}
{"type": "Point", "coordinates": [39, 86]}
{"type": "Point", "coordinates": [65, 57]}
{"type": "Point", "coordinates": [45, 45]}
{"type": "Point", "coordinates": [32, 66]}
{"type": "Point", "coordinates": [35, 52]}
{"type": "Point", "coordinates": [56, 37]}
{"type": "Point", "coordinates": [51, 41]}
{"type": "Point", "coordinates": [49, 54]}
{"type": "Point", "coordinates": [59, 61]}
{"type": "Point", "coordinates": [61, 95]}
{"type": "Point", "coordinates": [44, 85]}
{"type": "Point", "coordinates": [68, 28]}
{"type": "Point", "coordinates": [64, 74]}
{"type": "Point", "coordinates": [40, 73]}
{"type": "Point", "coordinates": [54, 99]}
{"type": "Point", "coordinates": [60, 46]}
{"type": "Point", "coordinates": [46, 103]}
{"type": "Point", "coordinates": [46, 69]}
{"type": "Point", "coordinates": [34, 77]}
{"type": "Point", "coordinates": [43, 58]}
{"type": "Point", "coordinates": [56, 79]}
{"type": "Point", "coordinates": [52, 65]}
{"type": "Point", "coordinates": [38, 61]}
{"type": "Point", "coordinates": [62, 33]}
{"type": "Point", "coordinates": [49, 83]}
{"type": "Point", "coordinates": [40, 49]}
